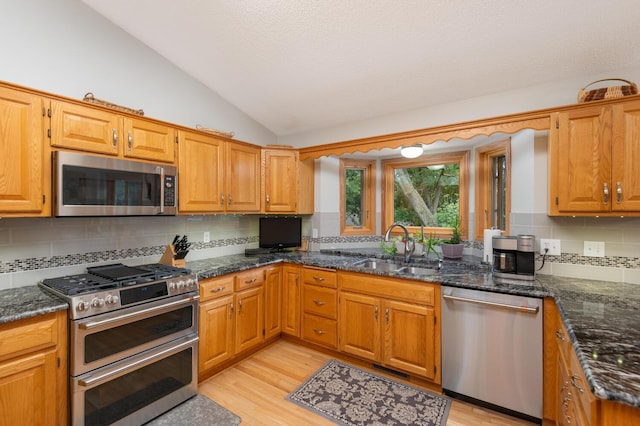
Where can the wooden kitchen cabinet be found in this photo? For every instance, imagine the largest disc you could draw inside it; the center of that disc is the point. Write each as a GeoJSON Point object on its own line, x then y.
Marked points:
{"type": "Point", "coordinates": [216, 176]}
{"type": "Point", "coordinates": [287, 183]}
{"type": "Point", "coordinates": [390, 321]}
{"type": "Point", "coordinates": [320, 306]}
{"type": "Point", "coordinates": [24, 190]}
{"type": "Point", "coordinates": [593, 157]}
{"type": "Point", "coordinates": [93, 129]}
{"type": "Point", "coordinates": [291, 291]}
{"type": "Point", "coordinates": [273, 277]}
{"type": "Point", "coordinates": [33, 372]}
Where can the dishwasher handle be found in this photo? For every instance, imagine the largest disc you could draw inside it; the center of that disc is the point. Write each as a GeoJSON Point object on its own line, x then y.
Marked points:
{"type": "Point", "coordinates": [524, 309]}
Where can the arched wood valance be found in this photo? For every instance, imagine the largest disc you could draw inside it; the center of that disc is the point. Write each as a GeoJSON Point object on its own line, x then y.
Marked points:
{"type": "Point", "coordinates": [536, 120]}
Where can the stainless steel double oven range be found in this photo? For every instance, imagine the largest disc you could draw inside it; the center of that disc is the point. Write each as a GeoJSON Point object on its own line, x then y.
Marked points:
{"type": "Point", "coordinates": [133, 334]}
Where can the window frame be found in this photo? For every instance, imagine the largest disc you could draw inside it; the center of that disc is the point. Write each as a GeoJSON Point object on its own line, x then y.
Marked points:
{"type": "Point", "coordinates": [388, 167]}
{"type": "Point", "coordinates": [369, 167]}
{"type": "Point", "coordinates": [484, 184]}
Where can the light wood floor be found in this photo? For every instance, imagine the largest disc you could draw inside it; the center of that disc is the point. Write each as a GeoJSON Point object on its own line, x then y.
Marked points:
{"type": "Point", "coordinates": [255, 389]}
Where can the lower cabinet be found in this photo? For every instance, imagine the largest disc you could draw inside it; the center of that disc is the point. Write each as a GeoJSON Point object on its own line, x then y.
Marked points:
{"type": "Point", "coordinates": [390, 322]}
{"type": "Point", "coordinates": [273, 301]}
{"type": "Point", "coordinates": [33, 373]}
{"type": "Point", "coordinates": [320, 307]}
{"type": "Point", "coordinates": [291, 290]}
{"type": "Point", "coordinates": [232, 318]}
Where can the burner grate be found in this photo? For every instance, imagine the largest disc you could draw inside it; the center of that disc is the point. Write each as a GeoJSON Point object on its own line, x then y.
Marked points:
{"type": "Point", "coordinates": [77, 284]}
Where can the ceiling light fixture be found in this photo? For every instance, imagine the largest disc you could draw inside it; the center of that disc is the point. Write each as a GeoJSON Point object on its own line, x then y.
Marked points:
{"type": "Point", "coordinates": [412, 151]}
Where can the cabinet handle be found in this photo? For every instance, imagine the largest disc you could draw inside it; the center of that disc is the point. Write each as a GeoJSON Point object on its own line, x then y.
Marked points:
{"type": "Point", "coordinates": [231, 310]}
{"type": "Point", "coordinates": [574, 379]}
{"type": "Point", "coordinates": [219, 289]}
{"type": "Point", "coordinates": [606, 193]}
{"type": "Point", "coordinates": [296, 280]}
{"type": "Point", "coordinates": [115, 138]}
{"type": "Point", "coordinates": [267, 199]}
{"type": "Point", "coordinates": [222, 199]}
{"type": "Point", "coordinates": [375, 313]}
{"type": "Point", "coordinates": [619, 192]}
{"type": "Point", "coordinates": [317, 331]}
{"type": "Point", "coordinates": [318, 278]}
{"type": "Point", "coordinates": [386, 315]}
{"type": "Point", "coordinates": [130, 141]}
{"type": "Point", "coordinates": [239, 307]}
{"type": "Point", "coordinates": [252, 280]}
{"type": "Point", "coordinates": [560, 336]}
{"type": "Point", "coordinates": [319, 302]}
{"type": "Point", "coordinates": [230, 199]}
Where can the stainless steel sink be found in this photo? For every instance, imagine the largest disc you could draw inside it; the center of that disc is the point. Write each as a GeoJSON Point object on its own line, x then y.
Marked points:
{"type": "Point", "coordinates": [378, 265]}
{"type": "Point", "coordinates": [415, 270]}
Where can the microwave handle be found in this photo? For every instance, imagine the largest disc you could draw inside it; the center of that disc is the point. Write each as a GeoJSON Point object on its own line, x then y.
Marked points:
{"type": "Point", "coordinates": [162, 188]}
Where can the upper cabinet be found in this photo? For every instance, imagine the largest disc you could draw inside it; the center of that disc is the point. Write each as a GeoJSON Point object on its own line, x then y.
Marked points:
{"type": "Point", "coordinates": [23, 190]}
{"type": "Point", "coordinates": [287, 182]}
{"type": "Point", "coordinates": [87, 128]}
{"type": "Point", "coordinates": [216, 176]}
{"type": "Point", "coordinates": [592, 154]}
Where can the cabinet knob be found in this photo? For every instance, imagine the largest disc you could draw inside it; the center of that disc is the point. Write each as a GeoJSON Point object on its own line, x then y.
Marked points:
{"type": "Point", "coordinates": [115, 138]}
{"type": "Point", "coordinates": [619, 192]}
{"type": "Point", "coordinates": [130, 141]}
{"type": "Point", "coordinates": [606, 193]}
{"type": "Point", "coordinates": [318, 331]}
{"type": "Point", "coordinates": [319, 302]}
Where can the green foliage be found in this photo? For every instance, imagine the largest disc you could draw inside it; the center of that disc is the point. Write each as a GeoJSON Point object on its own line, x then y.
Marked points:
{"type": "Point", "coordinates": [456, 235]}
{"type": "Point", "coordinates": [391, 249]}
{"type": "Point", "coordinates": [430, 245]}
{"type": "Point", "coordinates": [354, 187]}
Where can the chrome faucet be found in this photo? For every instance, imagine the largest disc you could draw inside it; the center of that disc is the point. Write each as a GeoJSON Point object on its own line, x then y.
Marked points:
{"type": "Point", "coordinates": [407, 251]}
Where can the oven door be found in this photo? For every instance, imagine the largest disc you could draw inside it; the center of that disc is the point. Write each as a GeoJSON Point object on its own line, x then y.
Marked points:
{"type": "Point", "coordinates": [102, 339]}
{"type": "Point", "coordinates": [139, 388]}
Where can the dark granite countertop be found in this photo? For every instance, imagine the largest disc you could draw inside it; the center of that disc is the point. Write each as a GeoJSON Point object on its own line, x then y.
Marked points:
{"type": "Point", "coordinates": [602, 317]}
{"type": "Point", "coordinates": [26, 302]}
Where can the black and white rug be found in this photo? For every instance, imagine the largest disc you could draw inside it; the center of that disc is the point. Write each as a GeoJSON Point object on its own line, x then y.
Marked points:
{"type": "Point", "coordinates": [350, 396]}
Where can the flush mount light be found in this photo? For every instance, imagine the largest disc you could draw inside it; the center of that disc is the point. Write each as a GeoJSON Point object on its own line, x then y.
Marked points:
{"type": "Point", "coordinates": [412, 151]}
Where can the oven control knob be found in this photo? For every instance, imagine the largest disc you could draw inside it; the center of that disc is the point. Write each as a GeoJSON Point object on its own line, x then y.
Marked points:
{"type": "Point", "coordinates": [111, 299]}
{"type": "Point", "coordinates": [172, 286]}
{"type": "Point", "coordinates": [191, 283]}
{"type": "Point", "coordinates": [97, 303]}
{"type": "Point", "coordinates": [82, 306]}
{"type": "Point", "coordinates": [181, 284]}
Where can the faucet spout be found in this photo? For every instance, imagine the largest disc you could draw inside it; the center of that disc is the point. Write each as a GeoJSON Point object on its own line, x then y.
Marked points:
{"type": "Point", "coordinates": [408, 251]}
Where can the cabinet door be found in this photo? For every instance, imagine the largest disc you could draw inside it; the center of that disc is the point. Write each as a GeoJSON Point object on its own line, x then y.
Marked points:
{"type": "Point", "coordinates": [28, 389]}
{"type": "Point", "coordinates": [148, 140]}
{"type": "Point", "coordinates": [359, 324]}
{"type": "Point", "coordinates": [410, 338]}
{"type": "Point", "coordinates": [581, 169]}
{"type": "Point", "coordinates": [21, 152]}
{"type": "Point", "coordinates": [84, 128]}
{"type": "Point", "coordinates": [291, 300]}
{"type": "Point", "coordinates": [281, 181]}
{"type": "Point", "coordinates": [625, 191]}
{"type": "Point", "coordinates": [249, 319]}
{"type": "Point", "coordinates": [216, 332]}
{"type": "Point", "coordinates": [242, 178]}
{"type": "Point", "coordinates": [273, 301]}
{"type": "Point", "coordinates": [200, 173]}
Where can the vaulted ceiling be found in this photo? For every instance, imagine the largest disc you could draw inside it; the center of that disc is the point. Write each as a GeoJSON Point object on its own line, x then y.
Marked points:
{"type": "Point", "coordinates": [298, 65]}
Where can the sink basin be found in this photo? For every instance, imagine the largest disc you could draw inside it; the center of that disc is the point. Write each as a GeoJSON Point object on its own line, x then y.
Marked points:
{"type": "Point", "coordinates": [415, 270]}
{"type": "Point", "coordinates": [378, 265]}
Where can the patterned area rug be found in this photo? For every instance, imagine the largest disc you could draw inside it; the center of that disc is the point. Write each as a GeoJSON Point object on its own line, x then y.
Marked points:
{"type": "Point", "coordinates": [350, 396]}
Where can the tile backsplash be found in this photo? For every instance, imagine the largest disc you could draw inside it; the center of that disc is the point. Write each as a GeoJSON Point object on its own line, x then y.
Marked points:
{"type": "Point", "coordinates": [32, 249]}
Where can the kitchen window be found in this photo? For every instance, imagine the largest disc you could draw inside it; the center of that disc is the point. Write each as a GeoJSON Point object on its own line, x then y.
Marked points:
{"type": "Point", "coordinates": [493, 187]}
{"type": "Point", "coordinates": [357, 197]}
{"type": "Point", "coordinates": [429, 192]}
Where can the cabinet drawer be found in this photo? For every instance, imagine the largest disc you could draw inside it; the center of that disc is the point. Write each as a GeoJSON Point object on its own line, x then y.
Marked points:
{"type": "Point", "coordinates": [320, 301]}
{"type": "Point", "coordinates": [212, 288]}
{"type": "Point", "coordinates": [584, 399]}
{"type": "Point", "coordinates": [250, 278]}
{"type": "Point", "coordinates": [320, 330]}
{"type": "Point", "coordinates": [323, 277]}
{"type": "Point", "coordinates": [393, 288]}
{"type": "Point", "coordinates": [28, 335]}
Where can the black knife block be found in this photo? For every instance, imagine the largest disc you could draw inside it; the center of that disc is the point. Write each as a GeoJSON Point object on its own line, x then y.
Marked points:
{"type": "Point", "coordinates": [169, 258]}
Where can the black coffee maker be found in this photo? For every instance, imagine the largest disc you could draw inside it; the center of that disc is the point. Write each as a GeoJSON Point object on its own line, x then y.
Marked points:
{"type": "Point", "coordinates": [514, 257]}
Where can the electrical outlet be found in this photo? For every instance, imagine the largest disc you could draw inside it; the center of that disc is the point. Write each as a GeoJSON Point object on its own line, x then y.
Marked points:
{"type": "Point", "coordinates": [314, 233]}
{"type": "Point", "coordinates": [207, 237]}
{"type": "Point", "coordinates": [594, 248]}
{"type": "Point", "coordinates": [552, 245]}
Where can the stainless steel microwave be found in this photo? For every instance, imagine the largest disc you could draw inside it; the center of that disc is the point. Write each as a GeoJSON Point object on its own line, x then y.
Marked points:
{"type": "Point", "coordinates": [91, 185]}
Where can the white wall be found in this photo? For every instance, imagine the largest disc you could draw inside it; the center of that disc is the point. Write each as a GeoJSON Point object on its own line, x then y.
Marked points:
{"type": "Point", "coordinates": [65, 48]}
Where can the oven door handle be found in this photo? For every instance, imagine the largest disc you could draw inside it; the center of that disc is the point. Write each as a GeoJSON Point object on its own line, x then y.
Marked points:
{"type": "Point", "coordinates": [143, 312]}
{"type": "Point", "coordinates": [137, 363]}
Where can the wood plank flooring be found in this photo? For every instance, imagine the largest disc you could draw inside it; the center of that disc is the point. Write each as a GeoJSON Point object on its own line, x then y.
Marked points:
{"type": "Point", "coordinates": [255, 389]}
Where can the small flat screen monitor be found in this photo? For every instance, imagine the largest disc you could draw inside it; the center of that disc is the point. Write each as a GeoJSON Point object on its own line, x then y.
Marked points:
{"type": "Point", "coordinates": [277, 233]}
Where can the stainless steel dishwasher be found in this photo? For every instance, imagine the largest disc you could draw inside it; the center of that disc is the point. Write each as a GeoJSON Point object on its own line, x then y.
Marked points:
{"type": "Point", "coordinates": [492, 350]}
